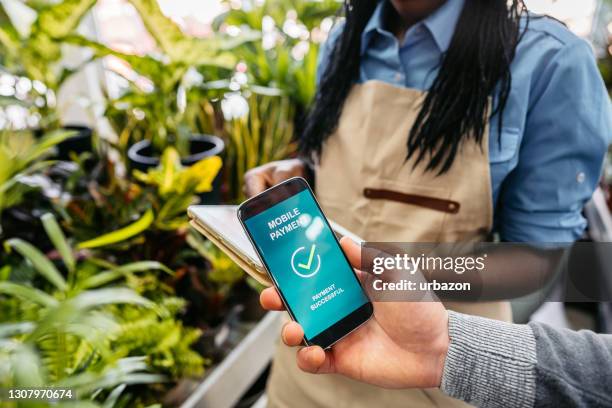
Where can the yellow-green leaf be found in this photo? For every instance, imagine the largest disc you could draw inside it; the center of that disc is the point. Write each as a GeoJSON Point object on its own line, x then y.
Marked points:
{"type": "Point", "coordinates": [61, 19]}
{"type": "Point", "coordinates": [121, 234]}
{"type": "Point", "coordinates": [170, 166]}
{"type": "Point", "coordinates": [205, 172]}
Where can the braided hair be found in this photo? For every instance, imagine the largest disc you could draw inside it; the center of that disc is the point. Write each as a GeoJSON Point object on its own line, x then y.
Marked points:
{"type": "Point", "coordinates": [476, 64]}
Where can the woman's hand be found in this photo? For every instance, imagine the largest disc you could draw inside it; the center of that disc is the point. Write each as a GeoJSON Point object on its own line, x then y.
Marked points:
{"type": "Point", "coordinates": [260, 178]}
{"type": "Point", "coordinates": [403, 345]}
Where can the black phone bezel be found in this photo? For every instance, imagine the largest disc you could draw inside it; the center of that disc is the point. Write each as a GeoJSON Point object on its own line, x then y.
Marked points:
{"type": "Point", "coordinates": [275, 195]}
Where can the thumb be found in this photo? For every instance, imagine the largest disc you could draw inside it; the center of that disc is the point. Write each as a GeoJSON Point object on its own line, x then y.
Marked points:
{"type": "Point", "coordinates": [315, 360]}
{"type": "Point", "coordinates": [352, 251]}
{"type": "Point", "coordinates": [360, 257]}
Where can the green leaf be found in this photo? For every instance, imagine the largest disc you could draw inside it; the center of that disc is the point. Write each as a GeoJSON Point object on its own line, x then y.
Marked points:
{"type": "Point", "coordinates": [59, 20]}
{"type": "Point", "coordinates": [5, 273]}
{"type": "Point", "coordinates": [25, 292]}
{"type": "Point", "coordinates": [105, 277]}
{"type": "Point", "coordinates": [175, 206]}
{"type": "Point", "coordinates": [89, 382]}
{"type": "Point", "coordinates": [170, 165]}
{"type": "Point", "coordinates": [9, 38]}
{"type": "Point", "coordinates": [184, 49]}
{"type": "Point", "coordinates": [21, 16]}
{"type": "Point", "coordinates": [27, 369]}
{"type": "Point", "coordinates": [121, 234]}
{"type": "Point", "coordinates": [13, 329]}
{"type": "Point", "coordinates": [110, 296]}
{"type": "Point", "coordinates": [96, 328]}
{"type": "Point", "coordinates": [126, 371]}
{"type": "Point", "coordinates": [46, 143]}
{"type": "Point", "coordinates": [144, 65]}
{"type": "Point", "coordinates": [166, 33]}
{"type": "Point", "coordinates": [203, 173]}
{"type": "Point", "coordinates": [114, 395]}
{"type": "Point", "coordinates": [40, 262]}
{"type": "Point", "coordinates": [59, 240]}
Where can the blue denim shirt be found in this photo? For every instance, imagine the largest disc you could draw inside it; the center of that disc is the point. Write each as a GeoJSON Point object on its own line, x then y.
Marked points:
{"type": "Point", "coordinates": [557, 122]}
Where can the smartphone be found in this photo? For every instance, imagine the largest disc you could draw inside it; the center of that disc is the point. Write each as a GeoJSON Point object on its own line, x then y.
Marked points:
{"type": "Point", "coordinates": [299, 250]}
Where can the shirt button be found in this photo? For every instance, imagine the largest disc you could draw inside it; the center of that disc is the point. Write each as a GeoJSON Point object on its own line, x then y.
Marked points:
{"type": "Point", "coordinates": [580, 177]}
{"type": "Point", "coordinates": [398, 77]}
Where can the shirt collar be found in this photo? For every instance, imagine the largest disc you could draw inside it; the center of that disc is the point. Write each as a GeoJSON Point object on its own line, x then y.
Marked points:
{"type": "Point", "coordinates": [441, 24]}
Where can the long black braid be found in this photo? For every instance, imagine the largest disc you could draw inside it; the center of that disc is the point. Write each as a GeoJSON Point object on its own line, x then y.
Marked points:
{"type": "Point", "coordinates": [456, 106]}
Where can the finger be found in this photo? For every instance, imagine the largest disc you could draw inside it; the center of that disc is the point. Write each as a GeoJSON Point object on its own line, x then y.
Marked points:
{"type": "Point", "coordinates": [292, 334]}
{"type": "Point", "coordinates": [315, 360]}
{"type": "Point", "coordinates": [255, 182]}
{"type": "Point", "coordinates": [362, 256]}
{"type": "Point", "coordinates": [271, 300]}
{"type": "Point", "coordinates": [280, 175]}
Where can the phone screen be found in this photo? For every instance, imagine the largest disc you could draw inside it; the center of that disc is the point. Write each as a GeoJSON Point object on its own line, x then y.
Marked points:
{"type": "Point", "coordinates": [304, 258]}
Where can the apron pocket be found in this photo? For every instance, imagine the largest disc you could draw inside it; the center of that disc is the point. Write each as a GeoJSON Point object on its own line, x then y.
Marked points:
{"type": "Point", "coordinates": [433, 203]}
{"type": "Point", "coordinates": [408, 212]}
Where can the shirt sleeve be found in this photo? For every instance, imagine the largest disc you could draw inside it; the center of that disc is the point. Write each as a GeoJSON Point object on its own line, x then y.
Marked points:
{"type": "Point", "coordinates": [568, 128]}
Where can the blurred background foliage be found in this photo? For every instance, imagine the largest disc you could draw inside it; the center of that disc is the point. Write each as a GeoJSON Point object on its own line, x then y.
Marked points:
{"type": "Point", "coordinates": [97, 251]}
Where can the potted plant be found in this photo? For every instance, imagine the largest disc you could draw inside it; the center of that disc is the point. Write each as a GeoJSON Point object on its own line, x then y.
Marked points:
{"type": "Point", "coordinates": [263, 131]}
{"type": "Point", "coordinates": [149, 119]}
{"type": "Point", "coordinates": [145, 218]}
{"type": "Point", "coordinates": [22, 161]}
{"type": "Point", "coordinates": [80, 326]}
{"type": "Point", "coordinates": [32, 41]}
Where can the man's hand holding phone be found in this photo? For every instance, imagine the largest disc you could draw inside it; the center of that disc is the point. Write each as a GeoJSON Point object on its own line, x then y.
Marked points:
{"type": "Point", "coordinates": [403, 346]}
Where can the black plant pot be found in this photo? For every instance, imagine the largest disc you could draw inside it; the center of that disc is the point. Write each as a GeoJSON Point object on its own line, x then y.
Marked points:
{"type": "Point", "coordinates": [79, 143]}
{"type": "Point", "coordinates": [142, 158]}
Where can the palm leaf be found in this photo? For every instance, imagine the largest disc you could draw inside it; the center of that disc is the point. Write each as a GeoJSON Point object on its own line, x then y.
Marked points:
{"type": "Point", "coordinates": [105, 277]}
{"type": "Point", "coordinates": [59, 240]}
{"type": "Point", "coordinates": [126, 371]}
{"type": "Point", "coordinates": [72, 311]}
{"type": "Point", "coordinates": [39, 261]}
{"type": "Point", "coordinates": [46, 143]}
{"type": "Point", "coordinates": [25, 364]}
{"type": "Point", "coordinates": [15, 329]}
{"type": "Point", "coordinates": [113, 396]}
{"type": "Point", "coordinates": [109, 296]}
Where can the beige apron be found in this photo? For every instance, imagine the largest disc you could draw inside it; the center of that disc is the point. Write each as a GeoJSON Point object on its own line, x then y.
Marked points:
{"type": "Point", "coordinates": [364, 183]}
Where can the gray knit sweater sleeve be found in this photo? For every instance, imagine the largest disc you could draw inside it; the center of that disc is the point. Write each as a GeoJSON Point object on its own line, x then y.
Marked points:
{"type": "Point", "coordinates": [490, 363]}
{"type": "Point", "coordinates": [495, 364]}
